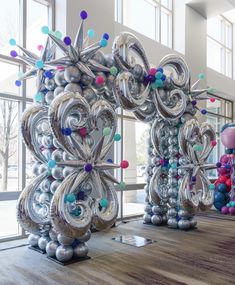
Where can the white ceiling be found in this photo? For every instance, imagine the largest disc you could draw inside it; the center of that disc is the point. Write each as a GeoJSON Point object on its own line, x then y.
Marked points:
{"type": "Point", "coordinates": [211, 8]}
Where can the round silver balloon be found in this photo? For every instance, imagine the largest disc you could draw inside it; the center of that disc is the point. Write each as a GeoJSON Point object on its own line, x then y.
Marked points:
{"type": "Point", "coordinates": [51, 248]}
{"type": "Point", "coordinates": [85, 237]}
{"type": "Point", "coordinates": [44, 198]}
{"type": "Point", "coordinates": [42, 242]}
{"type": "Point", "coordinates": [53, 234]}
{"type": "Point", "coordinates": [73, 87]}
{"type": "Point", "coordinates": [58, 90]}
{"type": "Point", "coordinates": [156, 219]}
{"type": "Point", "coordinates": [49, 97]}
{"type": "Point", "coordinates": [57, 172]}
{"type": "Point", "coordinates": [72, 74]}
{"type": "Point", "coordinates": [184, 224]}
{"type": "Point", "coordinates": [81, 250]}
{"type": "Point", "coordinates": [64, 253]}
{"type": "Point", "coordinates": [65, 240]}
{"type": "Point", "coordinates": [50, 84]}
{"type": "Point", "coordinates": [172, 223]}
{"type": "Point", "coordinates": [33, 239]}
{"type": "Point", "coordinates": [86, 80]}
{"type": "Point", "coordinates": [147, 218]}
{"type": "Point", "coordinates": [59, 78]}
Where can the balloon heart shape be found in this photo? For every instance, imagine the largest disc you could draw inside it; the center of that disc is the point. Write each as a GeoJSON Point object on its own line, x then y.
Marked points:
{"type": "Point", "coordinates": [94, 200]}
{"type": "Point", "coordinates": [195, 144]}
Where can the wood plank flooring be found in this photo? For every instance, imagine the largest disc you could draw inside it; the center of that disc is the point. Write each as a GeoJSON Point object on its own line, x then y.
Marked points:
{"type": "Point", "coordinates": [205, 256]}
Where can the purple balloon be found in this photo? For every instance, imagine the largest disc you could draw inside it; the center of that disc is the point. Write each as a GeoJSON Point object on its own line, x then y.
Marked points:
{"type": "Point", "coordinates": [225, 210]}
{"type": "Point", "coordinates": [232, 211]}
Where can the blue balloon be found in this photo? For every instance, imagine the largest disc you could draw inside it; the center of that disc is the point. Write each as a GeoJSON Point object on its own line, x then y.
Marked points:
{"type": "Point", "coordinates": [218, 205]}
{"type": "Point", "coordinates": [219, 197]}
{"type": "Point", "coordinates": [222, 187]}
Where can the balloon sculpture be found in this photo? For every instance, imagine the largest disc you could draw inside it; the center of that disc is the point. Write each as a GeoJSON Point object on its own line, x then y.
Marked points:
{"type": "Point", "coordinates": [225, 184]}
{"type": "Point", "coordinates": [72, 126]}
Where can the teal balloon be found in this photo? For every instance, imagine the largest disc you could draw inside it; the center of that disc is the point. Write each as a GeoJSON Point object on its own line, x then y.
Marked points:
{"type": "Point", "coordinates": [104, 203]}
{"type": "Point", "coordinates": [117, 137]}
{"type": "Point", "coordinates": [70, 198]}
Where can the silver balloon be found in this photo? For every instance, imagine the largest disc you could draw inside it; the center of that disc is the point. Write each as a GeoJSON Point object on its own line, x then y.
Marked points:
{"type": "Point", "coordinates": [73, 87]}
{"type": "Point", "coordinates": [90, 95]}
{"type": "Point", "coordinates": [53, 235]}
{"type": "Point", "coordinates": [147, 218]}
{"type": "Point", "coordinates": [64, 239]}
{"type": "Point", "coordinates": [33, 239]}
{"type": "Point", "coordinates": [51, 248]}
{"type": "Point", "coordinates": [172, 223]}
{"type": "Point", "coordinates": [64, 253]}
{"type": "Point", "coordinates": [72, 74]}
{"type": "Point", "coordinates": [57, 172]}
{"type": "Point", "coordinates": [85, 237]}
{"type": "Point", "coordinates": [81, 250]}
{"type": "Point", "coordinates": [54, 185]}
{"type": "Point", "coordinates": [86, 80]}
{"type": "Point", "coordinates": [156, 219]}
{"type": "Point", "coordinates": [50, 84]}
{"type": "Point", "coordinates": [58, 90]}
{"type": "Point", "coordinates": [42, 242]}
{"type": "Point", "coordinates": [49, 97]}
{"type": "Point", "coordinates": [59, 78]}
{"type": "Point", "coordinates": [184, 224]}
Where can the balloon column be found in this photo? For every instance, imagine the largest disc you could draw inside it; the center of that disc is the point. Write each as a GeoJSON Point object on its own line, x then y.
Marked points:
{"type": "Point", "coordinates": [225, 184]}
{"type": "Point", "coordinates": [70, 130]}
{"type": "Point", "coordinates": [72, 126]}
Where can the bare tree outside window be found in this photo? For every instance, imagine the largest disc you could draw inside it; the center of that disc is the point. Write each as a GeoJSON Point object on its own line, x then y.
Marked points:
{"type": "Point", "coordinates": [8, 138]}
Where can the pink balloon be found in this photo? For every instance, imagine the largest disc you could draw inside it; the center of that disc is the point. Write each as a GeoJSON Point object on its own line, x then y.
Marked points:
{"type": "Point", "coordinates": [232, 211]}
{"type": "Point", "coordinates": [228, 137]}
{"type": "Point", "coordinates": [225, 210]}
{"type": "Point", "coordinates": [224, 159]}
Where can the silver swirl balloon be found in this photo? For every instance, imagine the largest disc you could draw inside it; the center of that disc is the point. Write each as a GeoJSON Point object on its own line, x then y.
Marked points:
{"type": "Point", "coordinates": [31, 121]}
{"type": "Point", "coordinates": [83, 156]}
{"type": "Point", "coordinates": [178, 70]}
{"type": "Point", "coordinates": [192, 134]}
{"type": "Point", "coordinates": [25, 215]}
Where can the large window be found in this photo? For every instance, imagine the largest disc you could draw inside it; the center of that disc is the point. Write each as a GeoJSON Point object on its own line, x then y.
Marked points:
{"type": "Point", "coordinates": [20, 20]}
{"type": "Point", "coordinates": [219, 45]}
{"type": "Point", "coordinates": [219, 113]}
{"type": "Point", "coordinates": [152, 18]}
{"type": "Point", "coordinates": [133, 148]}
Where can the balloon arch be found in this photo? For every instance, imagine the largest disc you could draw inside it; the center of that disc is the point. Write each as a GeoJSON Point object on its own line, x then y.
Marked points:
{"type": "Point", "coordinates": [72, 125]}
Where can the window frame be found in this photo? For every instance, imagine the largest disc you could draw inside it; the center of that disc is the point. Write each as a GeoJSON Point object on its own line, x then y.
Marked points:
{"type": "Point", "coordinates": [22, 100]}
{"type": "Point", "coordinates": [224, 48]}
{"type": "Point", "coordinates": [119, 17]}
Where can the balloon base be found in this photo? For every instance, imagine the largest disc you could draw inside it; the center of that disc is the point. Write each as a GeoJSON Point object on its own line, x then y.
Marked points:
{"type": "Point", "coordinates": [36, 248]}
{"type": "Point", "coordinates": [151, 224]}
{"type": "Point", "coordinates": [71, 261]}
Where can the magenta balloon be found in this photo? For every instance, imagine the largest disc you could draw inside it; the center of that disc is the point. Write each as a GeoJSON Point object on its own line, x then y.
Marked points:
{"type": "Point", "coordinates": [228, 137]}
{"type": "Point", "coordinates": [232, 211]}
{"type": "Point", "coordinates": [222, 170]}
{"type": "Point", "coordinates": [224, 159]}
{"type": "Point", "coordinates": [225, 210]}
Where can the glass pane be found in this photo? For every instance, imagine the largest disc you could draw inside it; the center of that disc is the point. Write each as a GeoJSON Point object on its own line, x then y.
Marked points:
{"type": "Point", "coordinates": [167, 3]}
{"type": "Point", "coordinates": [8, 76]}
{"type": "Point", "coordinates": [166, 29]}
{"type": "Point", "coordinates": [139, 15]}
{"type": "Point", "coordinates": [228, 63]}
{"type": "Point", "coordinates": [9, 23]}
{"type": "Point", "coordinates": [37, 16]}
{"type": "Point", "coordinates": [214, 28]}
{"type": "Point", "coordinates": [135, 150]}
{"type": "Point", "coordinates": [213, 55]}
{"type": "Point", "coordinates": [8, 223]}
{"type": "Point", "coordinates": [133, 202]}
{"type": "Point", "coordinates": [31, 87]}
{"type": "Point", "coordinates": [228, 36]}
{"type": "Point", "coordinates": [9, 145]}
{"type": "Point", "coordinates": [218, 107]}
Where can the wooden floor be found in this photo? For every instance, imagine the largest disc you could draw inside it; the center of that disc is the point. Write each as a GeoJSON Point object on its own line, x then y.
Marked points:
{"type": "Point", "coordinates": [201, 257]}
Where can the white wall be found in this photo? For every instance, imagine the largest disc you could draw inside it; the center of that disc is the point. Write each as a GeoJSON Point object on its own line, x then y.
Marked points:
{"type": "Point", "coordinates": [189, 36]}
